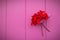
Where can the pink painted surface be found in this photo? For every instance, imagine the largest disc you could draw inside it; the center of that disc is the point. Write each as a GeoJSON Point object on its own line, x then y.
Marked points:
{"type": "Point", "coordinates": [13, 26]}
{"type": "Point", "coordinates": [33, 6]}
{"type": "Point", "coordinates": [2, 19]}
{"type": "Point", "coordinates": [53, 9]}
{"type": "Point", "coordinates": [15, 20]}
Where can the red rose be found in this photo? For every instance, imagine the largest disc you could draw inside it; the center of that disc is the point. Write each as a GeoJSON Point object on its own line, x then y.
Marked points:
{"type": "Point", "coordinates": [37, 17]}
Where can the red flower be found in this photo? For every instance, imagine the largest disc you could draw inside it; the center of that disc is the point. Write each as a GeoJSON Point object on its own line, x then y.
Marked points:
{"type": "Point", "coordinates": [37, 17]}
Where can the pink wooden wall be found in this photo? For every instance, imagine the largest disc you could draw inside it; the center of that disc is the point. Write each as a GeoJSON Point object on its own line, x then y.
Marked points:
{"type": "Point", "coordinates": [15, 19]}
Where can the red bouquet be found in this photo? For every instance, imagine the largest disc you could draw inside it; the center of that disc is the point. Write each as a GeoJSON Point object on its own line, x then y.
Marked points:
{"type": "Point", "coordinates": [38, 17]}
